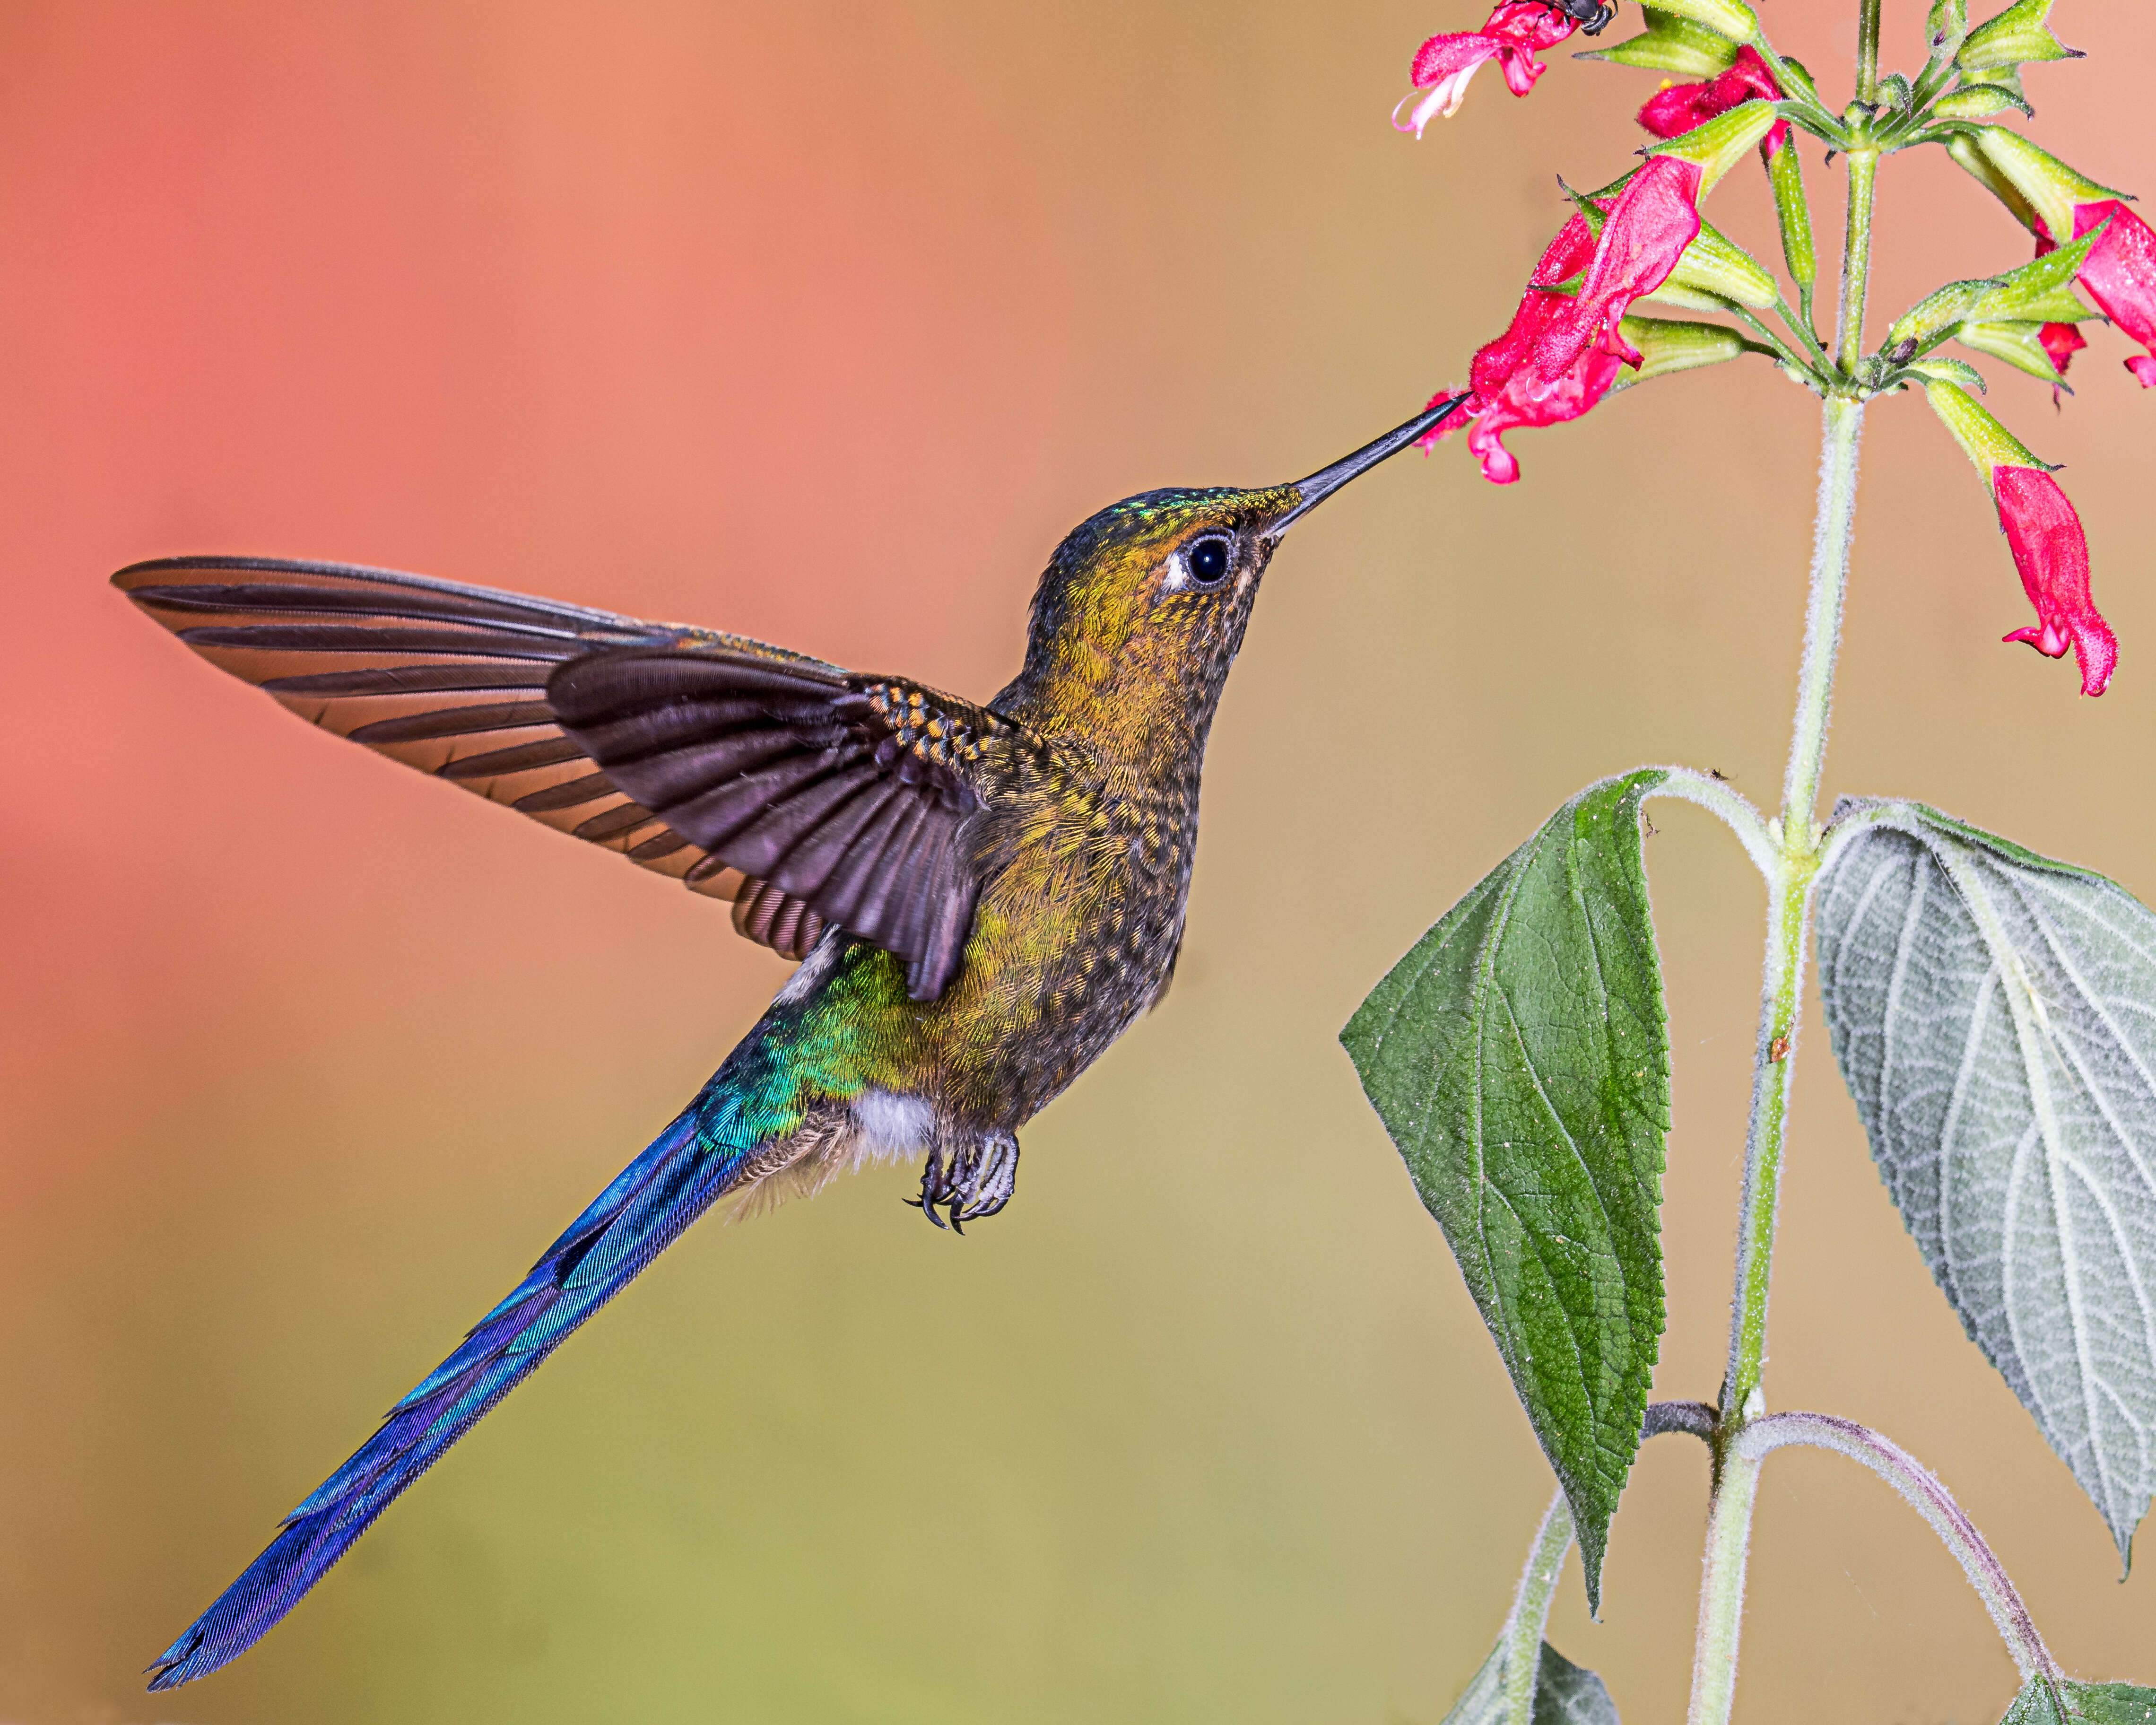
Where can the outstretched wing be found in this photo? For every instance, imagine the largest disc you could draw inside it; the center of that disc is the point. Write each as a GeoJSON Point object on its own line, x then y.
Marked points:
{"type": "Point", "coordinates": [848, 793]}
{"type": "Point", "coordinates": [454, 680]}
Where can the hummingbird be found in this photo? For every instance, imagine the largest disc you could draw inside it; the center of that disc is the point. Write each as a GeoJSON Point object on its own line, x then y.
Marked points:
{"type": "Point", "coordinates": [980, 898]}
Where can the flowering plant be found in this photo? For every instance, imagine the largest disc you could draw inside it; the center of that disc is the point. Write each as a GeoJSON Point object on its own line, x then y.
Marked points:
{"type": "Point", "coordinates": [1993, 1011]}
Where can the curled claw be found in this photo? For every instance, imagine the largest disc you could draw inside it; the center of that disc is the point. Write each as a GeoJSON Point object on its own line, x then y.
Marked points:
{"type": "Point", "coordinates": [931, 1188]}
{"type": "Point", "coordinates": [976, 1179]}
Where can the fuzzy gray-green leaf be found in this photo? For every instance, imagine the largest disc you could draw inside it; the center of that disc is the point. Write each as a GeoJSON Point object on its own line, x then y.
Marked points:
{"type": "Point", "coordinates": [1565, 1694]}
{"type": "Point", "coordinates": [2044, 1702]}
{"type": "Point", "coordinates": [1519, 1056]}
{"type": "Point", "coordinates": [1995, 1015]}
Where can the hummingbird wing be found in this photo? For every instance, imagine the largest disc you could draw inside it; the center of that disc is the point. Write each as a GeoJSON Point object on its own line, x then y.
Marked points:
{"type": "Point", "coordinates": [454, 681]}
{"type": "Point", "coordinates": [849, 792]}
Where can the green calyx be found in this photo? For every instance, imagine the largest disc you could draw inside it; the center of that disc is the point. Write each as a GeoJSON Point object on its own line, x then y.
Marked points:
{"type": "Point", "coordinates": [1723, 141]}
{"type": "Point", "coordinates": [2018, 35]}
{"type": "Point", "coordinates": [1716, 272]}
{"type": "Point", "coordinates": [1983, 439]}
{"type": "Point", "coordinates": [1732, 19]}
{"type": "Point", "coordinates": [1671, 44]}
{"type": "Point", "coordinates": [1667, 345]}
{"type": "Point", "coordinates": [2020, 344]}
{"type": "Point", "coordinates": [2047, 185]}
{"type": "Point", "coordinates": [2039, 292]}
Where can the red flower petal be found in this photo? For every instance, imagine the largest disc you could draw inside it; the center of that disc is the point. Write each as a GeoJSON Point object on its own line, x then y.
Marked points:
{"type": "Point", "coordinates": [1529, 400]}
{"type": "Point", "coordinates": [1560, 354]}
{"type": "Point", "coordinates": [1672, 112]}
{"type": "Point", "coordinates": [1444, 64]}
{"type": "Point", "coordinates": [2052, 552]}
{"type": "Point", "coordinates": [1443, 56]}
{"type": "Point", "coordinates": [2120, 275]}
{"type": "Point", "coordinates": [1568, 255]}
{"type": "Point", "coordinates": [2062, 342]}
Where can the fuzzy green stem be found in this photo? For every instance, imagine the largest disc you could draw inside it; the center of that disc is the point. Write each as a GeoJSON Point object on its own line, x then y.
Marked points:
{"type": "Point", "coordinates": [1721, 1592]}
{"type": "Point", "coordinates": [1856, 258]}
{"type": "Point", "coordinates": [1798, 836]}
{"type": "Point", "coordinates": [1840, 434]}
{"type": "Point", "coordinates": [1530, 1607]}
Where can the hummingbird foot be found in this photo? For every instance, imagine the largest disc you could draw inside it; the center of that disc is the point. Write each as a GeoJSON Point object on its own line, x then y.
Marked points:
{"type": "Point", "coordinates": [977, 1179]}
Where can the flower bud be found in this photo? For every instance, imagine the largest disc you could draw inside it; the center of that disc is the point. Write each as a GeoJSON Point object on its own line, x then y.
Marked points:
{"type": "Point", "coordinates": [1732, 19]}
{"type": "Point", "coordinates": [1975, 101]}
{"type": "Point", "coordinates": [1787, 176]}
{"type": "Point", "coordinates": [1670, 45]}
{"type": "Point", "coordinates": [1722, 142]}
{"type": "Point", "coordinates": [2017, 35]}
{"type": "Point", "coordinates": [1797, 80]}
{"type": "Point", "coordinates": [1946, 28]}
{"type": "Point", "coordinates": [1937, 370]}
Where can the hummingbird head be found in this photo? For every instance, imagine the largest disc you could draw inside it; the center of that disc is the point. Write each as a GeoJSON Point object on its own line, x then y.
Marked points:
{"type": "Point", "coordinates": [1142, 610]}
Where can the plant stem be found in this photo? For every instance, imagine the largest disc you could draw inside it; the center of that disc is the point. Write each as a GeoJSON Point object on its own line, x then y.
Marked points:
{"type": "Point", "coordinates": [1531, 1606]}
{"type": "Point", "coordinates": [1928, 1495]}
{"type": "Point", "coordinates": [1841, 427]}
{"type": "Point", "coordinates": [1736, 1489]}
{"type": "Point", "coordinates": [1856, 256]}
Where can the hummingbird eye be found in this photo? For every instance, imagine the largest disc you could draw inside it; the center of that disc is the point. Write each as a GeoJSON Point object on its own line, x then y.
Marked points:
{"type": "Point", "coordinates": [1208, 560]}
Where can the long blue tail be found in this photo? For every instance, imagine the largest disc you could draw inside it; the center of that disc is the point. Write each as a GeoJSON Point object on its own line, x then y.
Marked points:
{"type": "Point", "coordinates": [687, 1167]}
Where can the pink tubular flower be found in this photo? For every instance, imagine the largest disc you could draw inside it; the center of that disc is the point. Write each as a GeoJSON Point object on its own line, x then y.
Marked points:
{"type": "Point", "coordinates": [1560, 355]}
{"type": "Point", "coordinates": [1444, 64]}
{"type": "Point", "coordinates": [2049, 549]}
{"type": "Point", "coordinates": [1673, 111]}
{"type": "Point", "coordinates": [2052, 554]}
{"type": "Point", "coordinates": [2119, 274]}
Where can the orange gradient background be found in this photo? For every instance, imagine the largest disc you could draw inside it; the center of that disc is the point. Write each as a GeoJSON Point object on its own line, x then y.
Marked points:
{"type": "Point", "coordinates": [822, 325]}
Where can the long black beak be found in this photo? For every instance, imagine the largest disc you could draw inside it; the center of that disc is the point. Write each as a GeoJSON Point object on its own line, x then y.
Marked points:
{"type": "Point", "coordinates": [1326, 481]}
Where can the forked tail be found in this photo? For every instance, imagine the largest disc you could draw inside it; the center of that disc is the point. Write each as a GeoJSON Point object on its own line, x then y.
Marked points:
{"type": "Point", "coordinates": [697, 1159]}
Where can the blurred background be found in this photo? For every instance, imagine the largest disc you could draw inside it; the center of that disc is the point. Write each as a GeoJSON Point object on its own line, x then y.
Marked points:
{"type": "Point", "coordinates": [823, 324]}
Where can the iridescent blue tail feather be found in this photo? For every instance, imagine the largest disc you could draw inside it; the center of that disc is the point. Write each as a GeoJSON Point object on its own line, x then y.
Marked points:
{"type": "Point", "coordinates": [694, 1161]}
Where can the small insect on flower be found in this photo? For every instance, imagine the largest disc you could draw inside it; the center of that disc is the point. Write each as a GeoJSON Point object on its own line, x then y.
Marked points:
{"type": "Point", "coordinates": [1592, 18]}
{"type": "Point", "coordinates": [1778, 1050]}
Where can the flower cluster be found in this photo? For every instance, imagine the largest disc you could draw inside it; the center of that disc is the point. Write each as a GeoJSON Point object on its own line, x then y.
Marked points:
{"type": "Point", "coordinates": [1575, 339]}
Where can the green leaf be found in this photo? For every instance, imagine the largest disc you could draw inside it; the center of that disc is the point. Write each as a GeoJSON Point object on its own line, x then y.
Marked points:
{"type": "Point", "coordinates": [1565, 1694]}
{"type": "Point", "coordinates": [1995, 1015]}
{"type": "Point", "coordinates": [2067, 1702]}
{"type": "Point", "coordinates": [1519, 1056]}
{"type": "Point", "coordinates": [1670, 45]}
